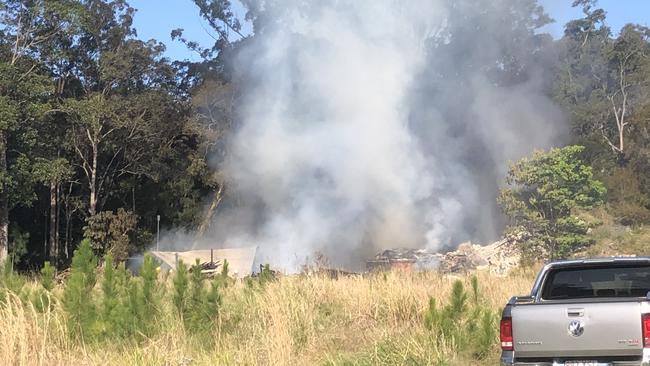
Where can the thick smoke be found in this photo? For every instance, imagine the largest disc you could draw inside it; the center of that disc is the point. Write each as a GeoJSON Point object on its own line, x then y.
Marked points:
{"type": "Point", "coordinates": [369, 124]}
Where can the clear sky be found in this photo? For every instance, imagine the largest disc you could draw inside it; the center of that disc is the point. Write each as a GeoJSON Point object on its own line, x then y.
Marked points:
{"type": "Point", "coordinates": [156, 18]}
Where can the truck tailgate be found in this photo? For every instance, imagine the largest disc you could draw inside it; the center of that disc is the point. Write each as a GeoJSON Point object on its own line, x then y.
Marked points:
{"type": "Point", "coordinates": [577, 329]}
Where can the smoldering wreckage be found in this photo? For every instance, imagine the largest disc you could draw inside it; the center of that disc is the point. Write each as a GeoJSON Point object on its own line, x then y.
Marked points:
{"type": "Point", "coordinates": [497, 258]}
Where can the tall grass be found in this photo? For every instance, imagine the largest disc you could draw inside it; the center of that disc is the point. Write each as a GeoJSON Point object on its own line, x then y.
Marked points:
{"type": "Point", "coordinates": [295, 320]}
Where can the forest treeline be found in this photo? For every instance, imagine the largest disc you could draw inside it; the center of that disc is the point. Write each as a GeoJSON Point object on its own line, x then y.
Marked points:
{"type": "Point", "coordinates": [100, 133]}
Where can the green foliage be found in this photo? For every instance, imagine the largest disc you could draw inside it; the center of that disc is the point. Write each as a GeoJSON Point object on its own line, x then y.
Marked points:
{"type": "Point", "coordinates": [474, 282]}
{"type": "Point", "coordinates": [18, 240]}
{"type": "Point", "coordinates": [123, 321]}
{"type": "Point", "coordinates": [180, 283]}
{"type": "Point", "coordinates": [266, 275]}
{"type": "Point", "coordinates": [222, 22]}
{"type": "Point", "coordinates": [129, 307]}
{"type": "Point", "coordinates": [432, 315]}
{"type": "Point", "coordinates": [77, 299]}
{"type": "Point", "coordinates": [9, 279]}
{"type": "Point", "coordinates": [223, 279]}
{"type": "Point", "coordinates": [112, 232]}
{"type": "Point", "coordinates": [485, 336]}
{"type": "Point", "coordinates": [47, 276]}
{"type": "Point", "coordinates": [41, 297]}
{"type": "Point", "coordinates": [203, 304]}
{"type": "Point", "coordinates": [458, 302]}
{"type": "Point", "coordinates": [150, 291]}
{"type": "Point", "coordinates": [212, 302]}
{"type": "Point", "coordinates": [111, 107]}
{"type": "Point", "coordinates": [110, 297]}
{"type": "Point", "coordinates": [225, 268]}
{"type": "Point", "coordinates": [627, 201]}
{"type": "Point", "coordinates": [467, 329]}
{"type": "Point", "coordinates": [196, 296]}
{"type": "Point", "coordinates": [544, 193]}
{"type": "Point", "coordinates": [133, 299]}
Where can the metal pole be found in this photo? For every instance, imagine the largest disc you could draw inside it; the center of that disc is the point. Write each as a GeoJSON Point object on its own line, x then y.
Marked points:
{"type": "Point", "coordinates": [157, 232]}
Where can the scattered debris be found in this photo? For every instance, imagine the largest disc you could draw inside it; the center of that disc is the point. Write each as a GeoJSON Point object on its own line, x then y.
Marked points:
{"type": "Point", "coordinates": [62, 276]}
{"type": "Point", "coordinates": [498, 258]}
{"type": "Point", "coordinates": [405, 260]}
{"type": "Point", "coordinates": [265, 270]}
{"type": "Point", "coordinates": [209, 268]}
{"type": "Point", "coordinates": [240, 260]}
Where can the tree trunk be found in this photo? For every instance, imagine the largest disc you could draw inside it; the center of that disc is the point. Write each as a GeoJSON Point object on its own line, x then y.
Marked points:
{"type": "Point", "coordinates": [4, 200]}
{"type": "Point", "coordinates": [57, 233]}
{"type": "Point", "coordinates": [53, 255]}
{"type": "Point", "coordinates": [621, 144]}
{"type": "Point", "coordinates": [66, 249]}
{"type": "Point", "coordinates": [207, 220]}
{"type": "Point", "coordinates": [92, 209]}
{"type": "Point", "coordinates": [68, 217]}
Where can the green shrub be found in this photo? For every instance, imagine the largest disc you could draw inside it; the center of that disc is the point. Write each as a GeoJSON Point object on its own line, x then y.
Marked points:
{"type": "Point", "coordinates": [458, 302]}
{"type": "Point", "coordinates": [465, 328]}
{"type": "Point", "coordinates": [77, 298]}
{"type": "Point", "coordinates": [180, 283]}
{"type": "Point", "coordinates": [485, 336]}
{"type": "Point", "coordinates": [474, 282]}
{"type": "Point", "coordinates": [266, 275]}
{"type": "Point", "coordinates": [431, 317]}
{"type": "Point", "coordinates": [110, 300]}
{"type": "Point", "coordinates": [40, 297]}
{"type": "Point", "coordinates": [122, 317]}
{"type": "Point", "coordinates": [150, 293]}
{"type": "Point", "coordinates": [193, 309]}
{"type": "Point", "coordinates": [213, 301]}
{"type": "Point", "coordinates": [541, 199]}
{"type": "Point", "coordinates": [223, 278]}
{"type": "Point", "coordinates": [47, 276]}
{"type": "Point", "coordinates": [197, 305]}
{"type": "Point", "coordinates": [135, 308]}
{"type": "Point", "coordinates": [9, 279]}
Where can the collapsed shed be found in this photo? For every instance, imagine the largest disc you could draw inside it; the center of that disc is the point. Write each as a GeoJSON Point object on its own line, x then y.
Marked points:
{"type": "Point", "coordinates": [240, 260]}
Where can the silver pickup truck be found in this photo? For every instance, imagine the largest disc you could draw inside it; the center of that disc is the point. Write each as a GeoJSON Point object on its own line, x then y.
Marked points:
{"type": "Point", "coordinates": [592, 312]}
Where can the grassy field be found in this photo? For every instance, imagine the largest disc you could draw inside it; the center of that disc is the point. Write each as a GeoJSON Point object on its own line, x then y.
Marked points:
{"type": "Point", "coordinates": [294, 320]}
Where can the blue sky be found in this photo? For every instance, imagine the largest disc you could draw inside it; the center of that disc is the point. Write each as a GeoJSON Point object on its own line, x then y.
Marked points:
{"type": "Point", "coordinates": [156, 18]}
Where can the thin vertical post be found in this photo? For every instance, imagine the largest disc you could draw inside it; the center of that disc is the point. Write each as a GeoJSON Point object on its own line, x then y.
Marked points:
{"type": "Point", "coordinates": [157, 232]}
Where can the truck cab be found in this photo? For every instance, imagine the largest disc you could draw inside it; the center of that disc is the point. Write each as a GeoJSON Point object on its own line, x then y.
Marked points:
{"type": "Point", "coordinates": [593, 312]}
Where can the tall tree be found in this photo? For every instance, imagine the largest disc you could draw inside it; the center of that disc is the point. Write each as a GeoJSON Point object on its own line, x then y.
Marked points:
{"type": "Point", "coordinates": [601, 79]}
{"type": "Point", "coordinates": [25, 27]}
{"type": "Point", "coordinates": [544, 193]}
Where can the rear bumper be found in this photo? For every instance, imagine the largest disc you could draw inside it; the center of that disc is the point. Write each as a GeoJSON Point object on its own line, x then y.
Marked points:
{"type": "Point", "coordinates": [508, 359]}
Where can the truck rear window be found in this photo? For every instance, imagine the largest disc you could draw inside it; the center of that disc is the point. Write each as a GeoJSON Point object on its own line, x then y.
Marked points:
{"type": "Point", "coordinates": [597, 282]}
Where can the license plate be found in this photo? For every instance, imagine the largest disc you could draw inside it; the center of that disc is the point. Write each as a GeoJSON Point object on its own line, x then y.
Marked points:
{"type": "Point", "coordinates": [581, 363]}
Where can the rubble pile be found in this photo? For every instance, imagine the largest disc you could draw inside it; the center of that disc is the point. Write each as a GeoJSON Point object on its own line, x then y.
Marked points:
{"type": "Point", "coordinates": [498, 258]}
{"type": "Point", "coordinates": [405, 259]}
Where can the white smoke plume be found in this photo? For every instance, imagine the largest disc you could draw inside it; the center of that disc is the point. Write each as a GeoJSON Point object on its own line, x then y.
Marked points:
{"type": "Point", "coordinates": [370, 124]}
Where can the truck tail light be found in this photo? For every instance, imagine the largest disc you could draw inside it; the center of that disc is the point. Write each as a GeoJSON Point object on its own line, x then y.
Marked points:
{"type": "Point", "coordinates": [506, 333]}
{"type": "Point", "coordinates": [645, 327]}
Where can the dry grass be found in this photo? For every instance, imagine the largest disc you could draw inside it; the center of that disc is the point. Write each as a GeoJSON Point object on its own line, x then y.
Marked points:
{"type": "Point", "coordinates": [296, 320]}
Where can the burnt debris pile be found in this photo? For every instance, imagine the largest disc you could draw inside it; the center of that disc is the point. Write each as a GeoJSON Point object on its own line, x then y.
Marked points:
{"type": "Point", "coordinates": [499, 258]}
